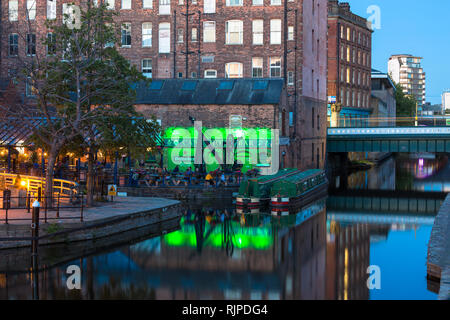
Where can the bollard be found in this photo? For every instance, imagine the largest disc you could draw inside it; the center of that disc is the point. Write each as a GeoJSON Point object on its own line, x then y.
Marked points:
{"type": "Point", "coordinates": [28, 202]}
{"type": "Point", "coordinates": [57, 209]}
{"type": "Point", "coordinates": [35, 228]}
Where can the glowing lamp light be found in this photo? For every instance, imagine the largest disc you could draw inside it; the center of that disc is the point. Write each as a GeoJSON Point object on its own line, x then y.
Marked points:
{"type": "Point", "coordinates": [23, 183]}
{"type": "Point", "coordinates": [421, 162]}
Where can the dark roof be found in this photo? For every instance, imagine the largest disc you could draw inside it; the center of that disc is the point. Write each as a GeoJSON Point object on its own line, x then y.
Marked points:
{"type": "Point", "coordinates": [210, 91]}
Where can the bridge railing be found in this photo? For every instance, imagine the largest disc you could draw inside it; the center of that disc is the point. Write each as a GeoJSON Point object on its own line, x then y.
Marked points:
{"type": "Point", "coordinates": [33, 183]}
{"type": "Point", "coordinates": [389, 131]}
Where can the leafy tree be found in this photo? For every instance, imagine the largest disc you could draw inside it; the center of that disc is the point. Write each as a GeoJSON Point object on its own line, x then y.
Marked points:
{"type": "Point", "coordinates": [81, 86]}
{"type": "Point", "coordinates": [406, 107]}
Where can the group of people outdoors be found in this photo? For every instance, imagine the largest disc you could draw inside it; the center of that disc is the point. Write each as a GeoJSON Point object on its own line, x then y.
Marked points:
{"type": "Point", "coordinates": [157, 176]}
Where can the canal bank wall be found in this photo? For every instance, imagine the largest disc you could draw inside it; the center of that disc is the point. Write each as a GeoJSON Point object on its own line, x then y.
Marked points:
{"type": "Point", "coordinates": [438, 259]}
{"type": "Point", "coordinates": [123, 215]}
{"type": "Point", "coordinates": [18, 260]}
{"type": "Point", "coordinates": [181, 193]}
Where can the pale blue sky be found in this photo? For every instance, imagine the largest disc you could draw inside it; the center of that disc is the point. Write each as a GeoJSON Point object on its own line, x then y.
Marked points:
{"type": "Point", "coordinates": [416, 27]}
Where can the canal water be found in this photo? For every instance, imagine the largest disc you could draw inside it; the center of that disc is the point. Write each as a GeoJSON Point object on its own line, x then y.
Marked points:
{"type": "Point", "coordinates": [380, 217]}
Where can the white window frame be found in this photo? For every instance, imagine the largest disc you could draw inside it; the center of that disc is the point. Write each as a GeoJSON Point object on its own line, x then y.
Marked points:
{"type": "Point", "coordinates": [147, 4]}
{"type": "Point", "coordinates": [210, 76]}
{"type": "Point", "coordinates": [275, 2]}
{"type": "Point", "coordinates": [233, 3]}
{"type": "Point", "coordinates": [261, 67]}
{"type": "Point", "coordinates": [291, 33]}
{"type": "Point", "coordinates": [164, 7]}
{"type": "Point", "coordinates": [234, 24]}
{"type": "Point", "coordinates": [290, 78]}
{"type": "Point", "coordinates": [126, 26]}
{"type": "Point", "coordinates": [147, 34]}
{"type": "Point", "coordinates": [273, 59]}
{"type": "Point", "coordinates": [126, 5]}
{"type": "Point", "coordinates": [110, 4]}
{"type": "Point", "coordinates": [258, 32]}
{"type": "Point", "coordinates": [209, 30]}
{"type": "Point", "coordinates": [194, 34]}
{"type": "Point", "coordinates": [275, 32]}
{"type": "Point", "coordinates": [164, 37]}
{"type": "Point", "coordinates": [240, 68]}
{"type": "Point", "coordinates": [51, 9]}
{"type": "Point", "coordinates": [209, 6]}
{"type": "Point", "coordinates": [13, 10]}
{"type": "Point", "coordinates": [31, 9]}
{"type": "Point", "coordinates": [143, 68]}
{"type": "Point", "coordinates": [257, 2]}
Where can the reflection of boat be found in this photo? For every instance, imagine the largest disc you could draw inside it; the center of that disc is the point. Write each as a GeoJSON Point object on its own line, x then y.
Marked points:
{"type": "Point", "coordinates": [287, 188]}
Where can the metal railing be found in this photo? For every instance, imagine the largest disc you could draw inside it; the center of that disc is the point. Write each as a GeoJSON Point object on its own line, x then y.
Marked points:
{"type": "Point", "coordinates": [33, 183]}
{"type": "Point", "coordinates": [12, 206]}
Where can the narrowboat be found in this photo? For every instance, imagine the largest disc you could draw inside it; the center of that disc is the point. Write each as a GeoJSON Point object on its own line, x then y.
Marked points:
{"type": "Point", "coordinates": [299, 189]}
{"type": "Point", "coordinates": [255, 192]}
{"type": "Point", "coordinates": [289, 187]}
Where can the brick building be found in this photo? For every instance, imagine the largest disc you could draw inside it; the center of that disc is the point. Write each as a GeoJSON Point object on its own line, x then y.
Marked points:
{"type": "Point", "coordinates": [209, 39]}
{"type": "Point", "coordinates": [349, 66]}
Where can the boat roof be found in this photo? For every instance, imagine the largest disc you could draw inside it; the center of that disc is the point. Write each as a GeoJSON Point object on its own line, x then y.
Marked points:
{"type": "Point", "coordinates": [303, 175]}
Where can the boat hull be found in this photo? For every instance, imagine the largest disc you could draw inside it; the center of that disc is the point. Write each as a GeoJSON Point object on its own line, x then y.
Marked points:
{"type": "Point", "coordinates": [300, 200]}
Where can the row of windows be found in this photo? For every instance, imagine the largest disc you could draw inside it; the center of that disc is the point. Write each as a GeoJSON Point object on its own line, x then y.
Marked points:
{"type": "Point", "coordinates": [232, 69]}
{"type": "Point", "coordinates": [351, 98]}
{"type": "Point", "coordinates": [209, 6]}
{"type": "Point", "coordinates": [355, 56]}
{"type": "Point", "coordinates": [355, 77]}
{"type": "Point", "coordinates": [357, 37]}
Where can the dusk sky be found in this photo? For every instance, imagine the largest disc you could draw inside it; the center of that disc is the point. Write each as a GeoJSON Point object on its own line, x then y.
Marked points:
{"type": "Point", "coordinates": [413, 27]}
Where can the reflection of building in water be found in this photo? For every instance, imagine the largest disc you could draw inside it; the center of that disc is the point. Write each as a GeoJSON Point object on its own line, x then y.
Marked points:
{"type": "Point", "coordinates": [380, 177]}
{"type": "Point", "coordinates": [278, 258]}
{"type": "Point", "coordinates": [348, 256]}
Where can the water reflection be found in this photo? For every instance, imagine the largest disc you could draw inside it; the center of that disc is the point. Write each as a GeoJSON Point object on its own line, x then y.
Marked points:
{"type": "Point", "coordinates": [321, 251]}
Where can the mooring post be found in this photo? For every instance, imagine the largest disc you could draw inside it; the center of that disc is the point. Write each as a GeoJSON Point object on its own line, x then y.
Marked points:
{"type": "Point", "coordinates": [35, 228]}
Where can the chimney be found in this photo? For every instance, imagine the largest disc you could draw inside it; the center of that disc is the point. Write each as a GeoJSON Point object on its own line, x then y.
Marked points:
{"type": "Point", "coordinates": [345, 6]}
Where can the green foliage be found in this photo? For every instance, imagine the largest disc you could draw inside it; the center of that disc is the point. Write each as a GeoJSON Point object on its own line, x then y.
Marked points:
{"type": "Point", "coordinates": [406, 107]}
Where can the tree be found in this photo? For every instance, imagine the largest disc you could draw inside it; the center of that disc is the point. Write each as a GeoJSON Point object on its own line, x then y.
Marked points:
{"type": "Point", "coordinates": [406, 107]}
{"type": "Point", "coordinates": [79, 82]}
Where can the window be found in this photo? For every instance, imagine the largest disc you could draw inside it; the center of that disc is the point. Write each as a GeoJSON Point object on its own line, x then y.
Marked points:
{"type": "Point", "coordinates": [257, 67]}
{"type": "Point", "coordinates": [348, 54]}
{"type": "Point", "coordinates": [342, 32]}
{"type": "Point", "coordinates": [275, 2]}
{"type": "Point", "coordinates": [147, 68]}
{"type": "Point", "coordinates": [147, 34]}
{"type": "Point", "coordinates": [31, 9]}
{"type": "Point", "coordinates": [31, 44]}
{"type": "Point", "coordinates": [164, 37]}
{"type": "Point", "coordinates": [126, 4]}
{"type": "Point", "coordinates": [275, 31]}
{"type": "Point", "coordinates": [348, 34]}
{"type": "Point", "coordinates": [13, 44]}
{"type": "Point", "coordinates": [194, 34]}
{"type": "Point", "coordinates": [29, 89]}
{"type": "Point", "coordinates": [258, 32]}
{"type": "Point", "coordinates": [233, 3]}
{"type": "Point", "coordinates": [290, 33]}
{"type": "Point", "coordinates": [210, 73]}
{"type": "Point", "coordinates": [209, 6]}
{"type": "Point", "coordinates": [51, 44]}
{"type": "Point", "coordinates": [348, 75]}
{"type": "Point", "coordinates": [275, 67]}
{"type": "Point", "coordinates": [180, 36]}
{"type": "Point", "coordinates": [258, 2]}
{"type": "Point", "coordinates": [180, 2]}
{"type": "Point", "coordinates": [233, 70]}
{"type": "Point", "coordinates": [126, 34]}
{"type": "Point", "coordinates": [164, 7]}
{"type": "Point", "coordinates": [290, 79]}
{"type": "Point", "coordinates": [110, 4]}
{"type": "Point", "coordinates": [13, 10]}
{"type": "Point", "coordinates": [312, 118]}
{"type": "Point", "coordinates": [147, 4]}
{"type": "Point", "coordinates": [207, 59]}
{"type": "Point", "coordinates": [193, 74]}
{"type": "Point", "coordinates": [209, 31]}
{"type": "Point", "coordinates": [51, 9]}
{"type": "Point", "coordinates": [233, 32]}
{"type": "Point", "coordinates": [180, 74]}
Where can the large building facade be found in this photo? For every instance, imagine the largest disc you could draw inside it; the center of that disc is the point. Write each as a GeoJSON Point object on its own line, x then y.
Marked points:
{"type": "Point", "coordinates": [407, 71]}
{"type": "Point", "coordinates": [349, 66]}
{"type": "Point", "coordinates": [446, 101]}
{"type": "Point", "coordinates": [210, 39]}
